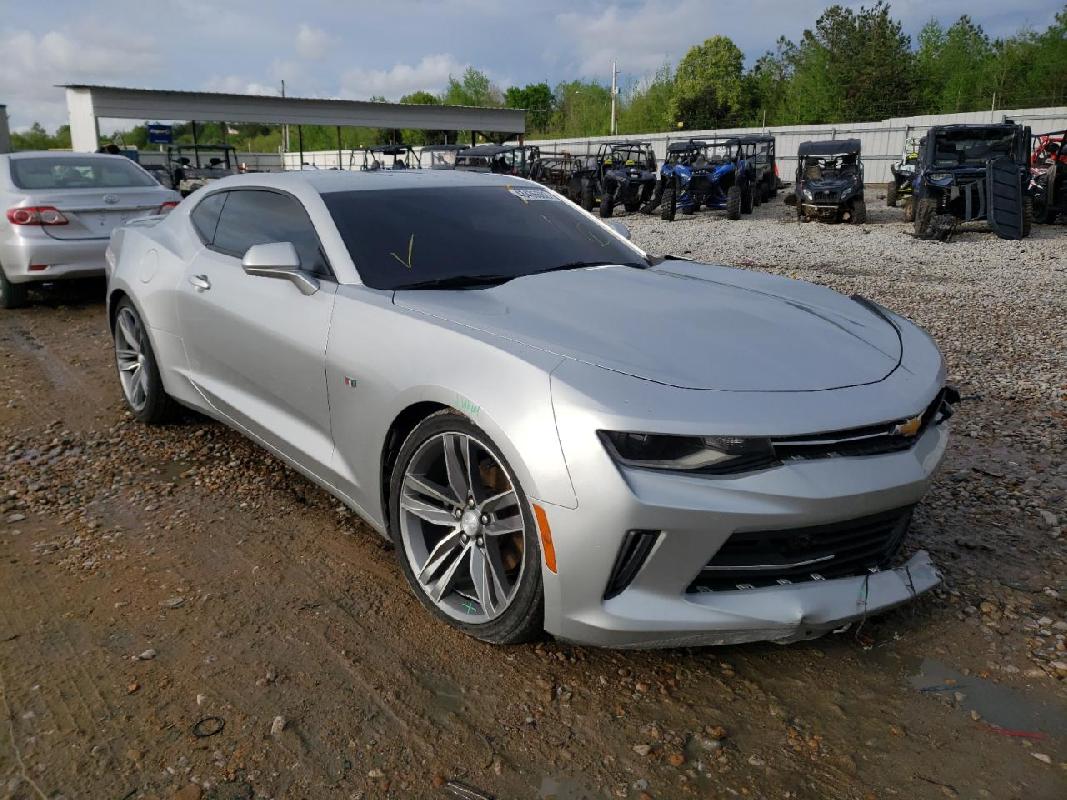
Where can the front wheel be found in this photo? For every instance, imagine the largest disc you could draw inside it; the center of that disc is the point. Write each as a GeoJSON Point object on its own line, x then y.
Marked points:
{"type": "Point", "coordinates": [138, 370]}
{"type": "Point", "coordinates": [746, 200]}
{"type": "Point", "coordinates": [891, 194]}
{"type": "Point", "coordinates": [925, 210]}
{"type": "Point", "coordinates": [733, 202]}
{"type": "Point", "coordinates": [859, 213]}
{"type": "Point", "coordinates": [12, 295]}
{"type": "Point", "coordinates": [464, 532]}
{"type": "Point", "coordinates": [668, 204]}
{"type": "Point", "coordinates": [909, 209]}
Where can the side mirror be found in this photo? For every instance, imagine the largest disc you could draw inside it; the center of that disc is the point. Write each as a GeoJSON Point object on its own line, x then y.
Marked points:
{"type": "Point", "coordinates": [279, 260]}
{"type": "Point", "coordinates": [620, 228]}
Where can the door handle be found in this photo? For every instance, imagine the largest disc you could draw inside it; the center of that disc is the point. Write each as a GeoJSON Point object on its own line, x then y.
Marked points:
{"type": "Point", "coordinates": [201, 282]}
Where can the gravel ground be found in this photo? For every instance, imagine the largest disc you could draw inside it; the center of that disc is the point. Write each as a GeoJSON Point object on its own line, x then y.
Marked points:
{"type": "Point", "coordinates": [150, 579]}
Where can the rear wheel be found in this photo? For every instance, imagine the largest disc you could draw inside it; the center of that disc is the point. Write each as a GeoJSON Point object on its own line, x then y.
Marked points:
{"type": "Point", "coordinates": [668, 205]}
{"type": "Point", "coordinates": [909, 209]}
{"type": "Point", "coordinates": [733, 202]}
{"type": "Point", "coordinates": [859, 213]}
{"type": "Point", "coordinates": [746, 199]}
{"type": "Point", "coordinates": [891, 194]}
{"type": "Point", "coordinates": [607, 204]}
{"type": "Point", "coordinates": [464, 532]}
{"type": "Point", "coordinates": [138, 369]}
{"type": "Point", "coordinates": [12, 295]}
{"type": "Point", "coordinates": [588, 201]}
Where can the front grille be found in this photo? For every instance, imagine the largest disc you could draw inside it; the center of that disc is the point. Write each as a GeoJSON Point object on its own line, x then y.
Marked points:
{"type": "Point", "coordinates": [869, 441]}
{"type": "Point", "coordinates": [754, 559]}
{"type": "Point", "coordinates": [825, 197]}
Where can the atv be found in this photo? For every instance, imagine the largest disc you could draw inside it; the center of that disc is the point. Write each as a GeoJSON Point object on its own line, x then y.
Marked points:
{"type": "Point", "coordinates": [762, 167]}
{"type": "Point", "coordinates": [704, 172]}
{"type": "Point", "coordinates": [192, 166]}
{"type": "Point", "coordinates": [621, 173]}
{"type": "Point", "coordinates": [1048, 176]}
{"type": "Point", "coordinates": [974, 172]}
{"type": "Point", "coordinates": [562, 172]}
{"type": "Point", "coordinates": [499, 159]}
{"type": "Point", "coordinates": [900, 188]}
{"type": "Point", "coordinates": [829, 183]}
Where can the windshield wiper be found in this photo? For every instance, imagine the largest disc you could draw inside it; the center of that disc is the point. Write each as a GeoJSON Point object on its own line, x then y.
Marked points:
{"type": "Point", "coordinates": [584, 264]}
{"type": "Point", "coordinates": [459, 282]}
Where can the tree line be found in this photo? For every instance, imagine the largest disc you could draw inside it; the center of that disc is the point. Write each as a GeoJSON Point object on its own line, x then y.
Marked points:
{"type": "Point", "coordinates": [851, 66]}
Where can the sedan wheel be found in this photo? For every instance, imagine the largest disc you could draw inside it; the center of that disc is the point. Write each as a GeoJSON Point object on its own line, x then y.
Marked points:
{"type": "Point", "coordinates": [138, 371]}
{"type": "Point", "coordinates": [463, 526]}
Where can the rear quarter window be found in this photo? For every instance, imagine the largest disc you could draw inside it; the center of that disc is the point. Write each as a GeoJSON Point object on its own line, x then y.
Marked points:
{"type": "Point", "coordinates": [205, 217]}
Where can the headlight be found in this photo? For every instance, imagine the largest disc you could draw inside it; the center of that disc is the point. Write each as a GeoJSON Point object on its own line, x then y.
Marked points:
{"type": "Point", "coordinates": [940, 177]}
{"type": "Point", "coordinates": [716, 455]}
{"type": "Point", "coordinates": [808, 195]}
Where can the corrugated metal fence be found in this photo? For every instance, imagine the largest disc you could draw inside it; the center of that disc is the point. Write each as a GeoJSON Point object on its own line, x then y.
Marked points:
{"type": "Point", "coordinates": [883, 142]}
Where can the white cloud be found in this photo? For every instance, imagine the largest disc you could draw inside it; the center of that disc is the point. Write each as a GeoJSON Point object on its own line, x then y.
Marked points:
{"type": "Point", "coordinates": [35, 64]}
{"type": "Point", "coordinates": [235, 84]}
{"type": "Point", "coordinates": [312, 42]}
{"type": "Point", "coordinates": [431, 74]}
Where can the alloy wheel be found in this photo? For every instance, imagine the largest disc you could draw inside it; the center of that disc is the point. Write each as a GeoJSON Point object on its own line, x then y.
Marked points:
{"type": "Point", "coordinates": [462, 526]}
{"type": "Point", "coordinates": [130, 357]}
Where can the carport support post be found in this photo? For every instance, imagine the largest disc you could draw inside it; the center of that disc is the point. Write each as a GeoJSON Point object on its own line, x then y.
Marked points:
{"type": "Point", "coordinates": [300, 143]}
{"type": "Point", "coordinates": [196, 150]}
{"type": "Point", "coordinates": [338, 147]}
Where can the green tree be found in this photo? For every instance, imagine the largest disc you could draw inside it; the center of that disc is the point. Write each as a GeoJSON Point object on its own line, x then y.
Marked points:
{"type": "Point", "coordinates": [646, 107]}
{"type": "Point", "coordinates": [537, 99]}
{"type": "Point", "coordinates": [415, 137]}
{"type": "Point", "coordinates": [709, 89]}
{"type": "Point", "coordinates": [953, 67]}
{"type": "Point", "coordinates": [473, 89]}
{"type": "Point", "coordinates": [582, 108]}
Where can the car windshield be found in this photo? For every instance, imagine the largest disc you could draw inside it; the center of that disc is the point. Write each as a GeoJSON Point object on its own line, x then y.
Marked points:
{"type": "Point", "coordinates": [400, 238]}
{"type": "Point", "coordinates": [971, 148]}
{"type": "Point", "coordinates": [50, 172]}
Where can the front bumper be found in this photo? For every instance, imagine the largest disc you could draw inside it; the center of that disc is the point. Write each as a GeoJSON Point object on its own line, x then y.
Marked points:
{"type": "Point", "coordinates": [822, 210]}
{"type": "Point", "coordinates": [62, 258]}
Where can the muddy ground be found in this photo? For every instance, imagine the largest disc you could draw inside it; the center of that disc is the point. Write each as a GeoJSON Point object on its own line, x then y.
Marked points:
{"type": "Point", "coordinates": [157, 585]}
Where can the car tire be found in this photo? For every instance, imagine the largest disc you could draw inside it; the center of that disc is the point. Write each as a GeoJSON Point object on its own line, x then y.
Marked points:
{"type": "Point", "coordinates": [909, 209]}
{"type": "Point", "coordinates": [522, 619]}
{"type": "Point", "coordinates": [925, 209]}
{"type": "Point", "coordinates": [891, 194]}
{"type": "Point", "coordinates": [668, 205]}
{"type": "Point", "coordinates": [733, 202]}
{"type": "Point", "coordinates": [12, 295]}
{"type": "Point", "coordinates": [859, 213]}
{"type": "Point", "coordinates": [142, 386]}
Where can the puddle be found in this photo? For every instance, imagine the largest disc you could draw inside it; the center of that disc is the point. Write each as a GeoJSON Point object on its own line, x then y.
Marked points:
{"type": "Point", "coordinates": [563, 789]}
{"type": "Point", "coordinates": [998, 705]}
{"type": "Point", "coordinates": [447, 697]}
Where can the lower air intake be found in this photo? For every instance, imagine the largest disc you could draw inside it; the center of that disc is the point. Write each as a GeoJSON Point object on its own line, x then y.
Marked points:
{"type": "Point", "coordinates": [636, 545]}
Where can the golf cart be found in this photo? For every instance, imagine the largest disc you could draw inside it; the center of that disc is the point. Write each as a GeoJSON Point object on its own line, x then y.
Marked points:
{"type": "Point", "coordinates": [192, 166]}
{"type": "Point", "coordinates": [377, 157]}
{"type": "Point", "coordinates": [1048, 176]}
{"type": "Point", "coordinates": [500, 159]}
{"type": "Point", "coordinates": [562, 172]}
{"type": "Point", "coordinates": [621, 172]}
{"type": "Point", "coordinates": [440, 156]}
{"type": "Point", "coordinates": [900, 188]}
{"type": "Point", "coordinates": [974, 172]}
{"type": "Point", "coordinates": [705, 172]}
{"type": "Point", "coordinates": [829, 183]}
{"type": "Point", "coordinates": [762, 167]}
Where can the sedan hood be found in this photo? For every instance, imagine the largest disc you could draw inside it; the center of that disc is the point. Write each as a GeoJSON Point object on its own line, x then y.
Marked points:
{"type": "Point", "coordinates": [692, 326]}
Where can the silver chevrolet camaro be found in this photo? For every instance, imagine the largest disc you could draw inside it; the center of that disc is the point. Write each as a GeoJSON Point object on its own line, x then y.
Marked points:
{"type": "Point", "coordinates": [558, 431]}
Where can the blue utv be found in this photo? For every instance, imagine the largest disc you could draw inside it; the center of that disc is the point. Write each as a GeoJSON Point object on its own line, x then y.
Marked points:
{"type": "Point", "coordinates": [704, 172]}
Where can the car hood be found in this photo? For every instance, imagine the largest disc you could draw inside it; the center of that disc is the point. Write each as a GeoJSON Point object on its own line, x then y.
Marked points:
{"type": "Point", "coordinates": [683, 324]}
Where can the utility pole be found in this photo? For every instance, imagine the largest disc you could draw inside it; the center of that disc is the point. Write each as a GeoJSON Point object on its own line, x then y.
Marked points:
{"type": "Point", "coordinates": [614, 104]}
{"type": "Point", "coordinates": [285, 132]}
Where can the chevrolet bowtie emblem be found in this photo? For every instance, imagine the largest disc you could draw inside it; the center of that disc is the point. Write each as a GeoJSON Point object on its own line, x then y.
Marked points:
{"type": "Point", "coordinates": [909, 427]}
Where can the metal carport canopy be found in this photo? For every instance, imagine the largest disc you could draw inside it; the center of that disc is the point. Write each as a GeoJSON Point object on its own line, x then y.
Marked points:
{"type": "Point", "coordinates": [88, 103]}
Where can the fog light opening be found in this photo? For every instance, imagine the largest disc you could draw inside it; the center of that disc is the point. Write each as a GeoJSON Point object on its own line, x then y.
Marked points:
{"type": "Point", "coordinates": [634, 551]}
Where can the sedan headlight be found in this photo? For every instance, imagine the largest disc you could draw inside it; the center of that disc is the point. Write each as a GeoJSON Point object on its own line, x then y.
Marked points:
{"type": "Point", "coordinates": [716, 455]}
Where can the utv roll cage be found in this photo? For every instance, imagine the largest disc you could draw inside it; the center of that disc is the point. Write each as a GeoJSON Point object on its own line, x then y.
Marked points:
{"type": "Point", "coordinates": [500, 159]}
{"type": "Point", "coordinates": [440, 156]}
{"type": "Point", "coordinates": [762, 165]}
{"type": "Point", "coordinates": [562, 172]}
{"type": "Point", "coordinates": [191, 166]}
{"type": "Point", "coordinates": [621, 172]}
{"type": "Point", "coordinates": [404, 157]}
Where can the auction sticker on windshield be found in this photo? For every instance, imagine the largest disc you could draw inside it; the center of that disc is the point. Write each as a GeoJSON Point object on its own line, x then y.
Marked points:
{"type": "Point", "coordinates": [526, 195]}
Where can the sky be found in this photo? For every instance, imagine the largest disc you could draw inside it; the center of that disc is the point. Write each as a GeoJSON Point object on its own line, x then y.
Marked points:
{"type": "Point", "coordinates": [358, 49]}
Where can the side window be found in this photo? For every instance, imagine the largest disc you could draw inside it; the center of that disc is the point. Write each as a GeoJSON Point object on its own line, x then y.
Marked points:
{"type": "Point", "coordinates": [205, 217]}
{"type": "Point", "coordinates": [260, 217]}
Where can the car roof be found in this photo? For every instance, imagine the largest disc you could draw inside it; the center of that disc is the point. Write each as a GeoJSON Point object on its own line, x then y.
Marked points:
{"type": "Point", "coordinates": [829, 147]}
{"type": "Point", "coordinates": [325, 181]}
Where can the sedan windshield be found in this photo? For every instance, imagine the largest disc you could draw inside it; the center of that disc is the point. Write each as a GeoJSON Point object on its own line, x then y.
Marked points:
{"type": "Point", "coordinates": [66, 172]}
{"type": "Point", "coordinates": [476, 235]}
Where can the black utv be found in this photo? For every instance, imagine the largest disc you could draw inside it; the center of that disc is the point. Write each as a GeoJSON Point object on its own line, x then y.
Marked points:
{"type": "Point", "coordinates": [621, 173]}
{"type": "Point", "coordinates": [762, 167]}
{"type": "Point", "coordinates": [562, 172]}
{"type": "Point", "coordinates": [499, 159]}
{"type": "Point", "coordinates": [829, 182]}
{"type": "Point", "coordinates": [974, 172]}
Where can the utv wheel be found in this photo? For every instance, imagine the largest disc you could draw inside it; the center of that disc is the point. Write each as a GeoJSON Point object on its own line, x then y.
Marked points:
{"type": "Point", "coordinates": [668, 205]}
{"type": "Point", "coordinates": [588, 197]}
{"type": "Point", "coordinates": [859, 213]}
{"type": "Point", "coordinates": [746, 200]}
{"type": "Point", "coordinates": [12, 295]}
{"type": "Point", "coordinates": [464, 532]}
{"type": "Point", "coordinates": [733, 202]}
{"type": "Point", "coordinates": [138, 369]}
{"type": "Point", "coordinates": [891, 194]}
{"type": "Point", "coordinates": [607, 205]}
{"type": "Point", "coordinates": [1028, 215]}
{"type": "Point", "coordinates": [925, 209]}
{"type": "Point", "coordinates": [909, 209]}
